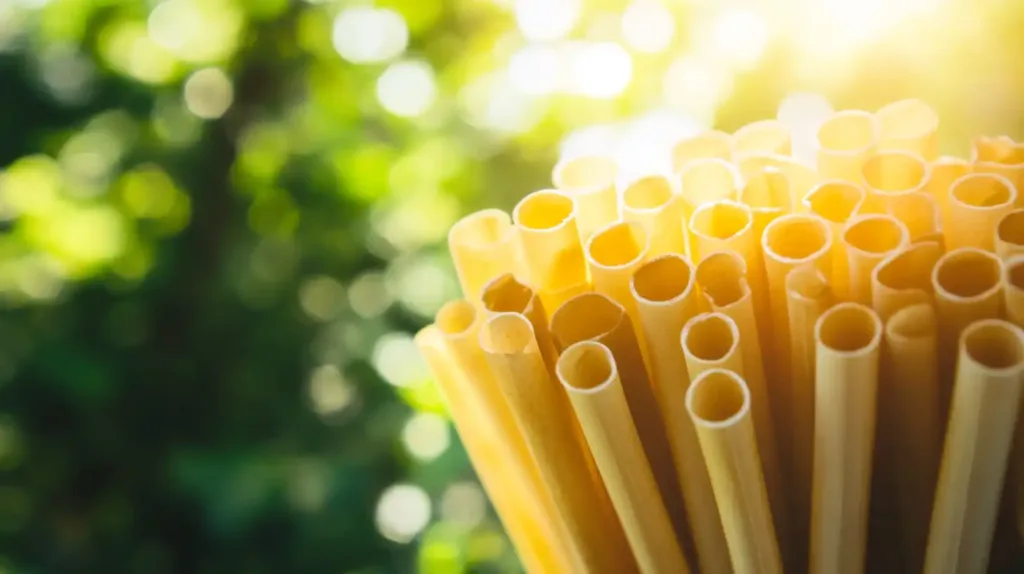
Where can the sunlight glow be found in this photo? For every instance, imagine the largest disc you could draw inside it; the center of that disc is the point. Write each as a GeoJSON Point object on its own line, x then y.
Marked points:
{"type": "Point", "coordinates": [402, 512]}
{"type": "Point", "coordinates": [542, 20]}
{"type": "Point", "coordinates": [426, 436]}
{"type": "Point", "coordinates": [365, 35]}
{"type": "Point", "coordinates": [740, 36]}
{"type": "Point", "coordinates": [535, 69]}
{"type": "Point", "coordinates": [600, 70]}
{"type": "Point", "coordinates": [407, 88]}
{"type": "Point", "coordinates": [648, 26]}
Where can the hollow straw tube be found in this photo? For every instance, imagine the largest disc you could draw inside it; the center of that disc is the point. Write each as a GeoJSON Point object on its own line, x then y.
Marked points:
{"type": "Point", "coordinates": [504, 294]}
{"type": "Point", "coordinates": [909, 125]}
{"type": "Point", "coordinates": [768, 136]}
{"type": "Point", "coordinates": [719, 403]}
{"type": "Point", "coordinates": [942, 173]}
{"type": "Point", "coordinates": [590, 181]}
{"type": "Point", "coordinates": [845, 141]}
{"type": "Point", "coordinates": [909, 417]}
{"type": "Point", "coordinates": [1002, 156]}
{"type": "Point", "coordinates": [888, 176]}
{"type": "Point", "coordinates": [596, 317]}
{"type": "Point", "coordinates": [919, 212]}
{"type": "Point", "coordinates": [977, 202]}
{"type": "Point", "coordinates": [711, 144]}
{"type": "Point", "coordinates": [667, 297]}
{"type": "Point", "coordinates": [836, 202]}
{"type": "Point", "coordinates": [711, 341]}
{"type": "Point", "coordinates": [986, 401]}
{"type": "Point", "coordinates": [503, 480]}
{"type": "Point", "coordinates": [846, 383]}
{"type": "Point", "coordinates": [868, 240]}
{"type": "Point", "coordinates": [652, 202]}
{"type": "Point", "coordinates": [1010, 235]}
{"type": "Point", "coordinates": [801, 178]}
{"type": "Point", "coordinates": [552, 433]}
{"type": "Point", "coordinates": [545, 221]}
{"type": "Point", "coordinates": [904, 278]}
{"type": "Point", "coordinates": [588, 371]}
{"type": "Point", "coordinates": [704, 181]}
{"type": "Point", "coordinates": [482, 246]}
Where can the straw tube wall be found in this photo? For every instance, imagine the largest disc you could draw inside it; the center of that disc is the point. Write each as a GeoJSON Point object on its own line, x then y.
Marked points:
{"type": "Point", "coordinates": [789, 242]}
{"type": "Point", "coordinates": [770, 136]}
{"type": "Point", "coordinates": [768, 195]}
{"type": "Point", "coordinates": [722, 280]}
{"type": "Point", "coordinates": [546, 418]}
{"type": "Point", "coordinates": [911, 416]}
{"type": "Point", "coordinates": [719, 403]}
{"type": "Point", "coordinates": [1010, 235]}
{"type": "Point", "coordinates": [1013, 284]}
{"type": "Point", "coordinates": [590, 181]}
{"type": "Point", "coordinates": [711, 144]}
{"type": "Point", "coordinates": [889, 175]}
{"type": "Point", "coordinates": [868, 240]}
{"type": "Point", "coordinates": [523, 519]}
{"type": "Point", "coordinates": [845, 141]}
{"type": "Point", "coordinates": [613, 253]}
{"type": "Point", "coordinates": [588, 371]}
{"type": "Point", "coordinates": [904, 278]}
{"type": "Point", "coordinates": [977, 202]}
{"type": "Point", "coordinates": [801, 178]}
{"type": "Point", "coordinates": [999, 155]}
{"type": "Point", "coordinates": [986, 401]}
{"type": "Point", "coordinates": [846, 383]}
{"type": "Point", "coordinates": [918, 211]}
{"type": "Point", "coordinates": [705, 181]}
{"type": "Point", "coordinates": [553, 255]}
{"type": "Point", "coordinates": [942, 173]}
{"type": "Point", "coordinates": [968, 287]}
{"type": "Point", "coordinates": [667, 298]}
{"type": "Point", "coordinates": [909, 125]}
{"type": "Point", "coordinates": [505, 294]}
{"type": "Point", "coordinates": [836, 202]}
{"type": "Point", "coordinates": [595, 317]}
{"type": "Point", "coordinates": [652, 202]}
{"type": "Point", "coordinates": [483, 246]}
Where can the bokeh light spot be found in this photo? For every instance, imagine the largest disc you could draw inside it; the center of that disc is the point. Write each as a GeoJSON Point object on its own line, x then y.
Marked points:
{"type": "Point", "coordinates": [600, 69]}
{"type": "Point", "coordinates": [368, 295]}
{"type": "Point", "coordinates": [329, 392]}
{"type": "Point", "coordinates": [648, 26]}
{"type": "Point", "coordinates": [398, 361]}
{"type": "Point", "coordinates": [208, 93]}
{"type": "Point", "coordinates": [740, 36]}
{"type": "Point", "coordinates": [366, 35]}
{"type": "Point", "coordinates": [322, 297]}
{"type": "Point", "coordinates": [407, 88]}
{"type": "Point", "coordinates": [464, 503]}
{"type": "Point", "coordinates": [403, 510]}
{"type": "Point", "coordinates": [541, 20]}
{"type": "Point", "coordinates": [426, 436]}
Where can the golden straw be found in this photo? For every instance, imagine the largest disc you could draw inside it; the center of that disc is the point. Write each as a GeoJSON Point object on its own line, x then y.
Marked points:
{"type": "Point", "coordinates": [977, 202]}
{"type": "Point", "coordinates": [836, 202]}
{"type": "Point", "coordinates": [869, 239]}
{"type": "Point", "coordinates": [711, 144]}
{"type": "Point", "coordinates": [613, 254]}
{"type": "Point", "coordinates": [845, 141]}
{"type": "Point", "coordinates": [769, 136]}
{"type": "Point", "coordinates": [590, 181]}
{"type": "Point", "coordinates": [652, 202]}
{"type": "Point", "coordinates": [1000, 155]}
{"type": "Point", "coordinates": [482, 246]}
{"type": "Point", "coordinates": [904, 278]}
{"type": "Point", "coordinates": [801, 178]}
{"type": "Point", "coordinates": [919, 212]}
{"type": "Point", "coordinates": [507, 295]}
{"type": "Point", "coordinates": [890, 175]}
{"type": "Point", "coordinates": [942, 173]}
{"type": "Point", "coordinates": [909, 125]}
{"type": "Point", "coordinates": [1010, 235]}
{"type": "Point", "coordinates": [588, 372]}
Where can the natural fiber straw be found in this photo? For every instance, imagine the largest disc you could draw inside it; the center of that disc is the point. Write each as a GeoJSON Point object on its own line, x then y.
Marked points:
{"type": "Point", "coordinates": [711, 144]}
{"type": "Point", "coordinates": [942, 173]}
{"type": "Point", "coordinates": [986, 401]}
{"type": "Point", "coordinates": [722, 277]}
{"type": "Point", "coordinates": [1000, 155]}
{"type": "Point", "coordinates": [788, 242]}
{"type": "Point", "coordinates": [507, 295]}
{"type": "Point", "coordinates": [968, 287]}
{"type": "Point", "coordinates": [1013, 287]}
{"type": "Point", "coordinates": [904, 278]}
{"type": "Point", "coordinates": [553, 255]}
{"type": "Point", "coordinates": [767, 194]}
{"type": "Point", "coordinates": [868, 240]}
{"type": "Point", "coordinates": [919, 212]}
{"type": "Point", "coordinates": [531, 531]}
{"type": "Point", "coordinates": [911, 421]}
{"type": "Point", "coordinates": [977, 202]}
{"type": "Point", "coordinates": [909, 125]}
{"type": "Point", "coordinates": [845, 141]}
{"type": "Point", "coordinates": [846, 383]}
{"type": "Point", "coordinates": [596, 317]}
{"type": "Point", "coordinates": [705, 180]}
{"type": "Point", "coordinates": [836, 202]}
{"type": "Point", "coordinates": [666, 296]}
{"type": "Point", "coordinates": [711, 341]}
{"type": "Point", "coordinates": [588, 371]}
{"type": "Point", "coordinates": [613, 253]}
{"type": "Point", "coordinates": [544, 414]}
{"type": "Point", "coordinates": [801, 178]}
{"type": "Point", "coordinates": [590, 181]}
{"type": "Point", "coordinates": [652, 202]}
{"type": "Point", "coordinates": [769, 136]}
{"type": "Point", "coordinates": [482, 246]}
{"type": "Point", "coordinates": [719, 403]}
{"type": "Point", "coordinates": [808, 296]}
{"type": "Point", "coordinates": [1010, 235]}
{"type": "Point", "coordinates": [890, 175]}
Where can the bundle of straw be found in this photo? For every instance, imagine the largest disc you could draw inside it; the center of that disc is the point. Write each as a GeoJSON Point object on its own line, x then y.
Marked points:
{"type": "Point", "coordinates": [748, 364]}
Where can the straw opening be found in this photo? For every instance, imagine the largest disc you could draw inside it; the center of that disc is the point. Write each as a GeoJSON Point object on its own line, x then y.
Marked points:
{"type": "Point", "coordinates": [663, 279]}
{"type": "Point", "coordinates": [768, 189]}
{"type": "Point", "coordinates": [586, 366]}
{"type": "Point", "coordinates": [967, 273]}
{"type": "Point", "coordinates": [912, 322]}
{"type": "Point", "coordinates": [910, 268]}
{"type": "Point", "coordinates": [994, 344]}
{"type": "Point", "coordinates": [796, 237]}
{"type": "Point", "coordinates": [717, 397]}
{"type": "Point", "coordinates": [456, 317]}
{"type": "Point", "coordinates": [585, 316]}
{"type": "Point", "coordinates": [848, 328]}
{"type": "Point", "coordinates": [1011, 228]}
{"type": "Point", "coordinates": [481, 229]}
{"type": "Point", "coordinates": [506, 334]}
{"type": "Point", "coordinates": [982, 190]}
{"type": "Point", "coordinates": [617, 245]}
{"type": "Point", "coordinates": [543, 210]}
{"type": "Point", "coordinates": [848, 131]}
{"type": "Point", "coordinates": [835, 201]}
{"type": "Point", "coordinates": [585, 173]}
{"type": "Point", "coordinates": [875, 234]}
{"type": "Point", "coordinates": [908, 119]}
{"type": "Point", "coordinates": [721, 276]}
{"type": "Point", "coordinates": [894, 171]}
{"type": "Point", "coordinates": [506, 295]}
{"type": "Point", "coordinates": [1015, 273]}
{"type": "Point", "coordinates": [721, 220]}
{"type": "Point", "coordinates": [710, 337]}
{"type": "Point", "coordinates": [650, 192]}
{"type": "Point", "coordinates": [706, 180]}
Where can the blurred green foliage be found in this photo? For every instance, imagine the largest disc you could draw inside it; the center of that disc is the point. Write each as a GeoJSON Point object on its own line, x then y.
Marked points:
{"type": "Point", "coordinates": [217, 235]}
